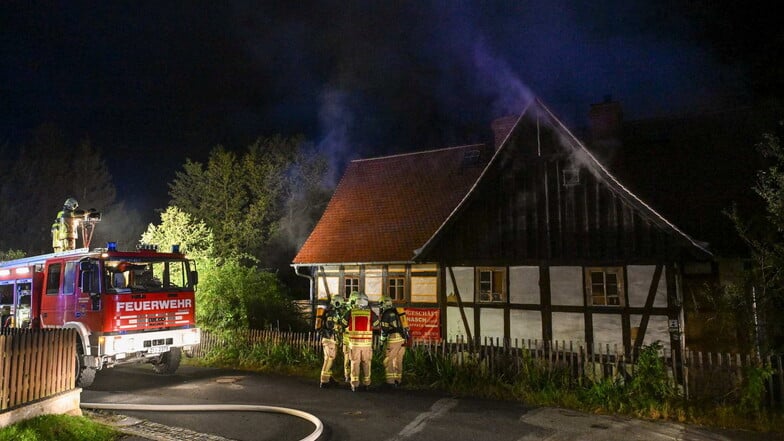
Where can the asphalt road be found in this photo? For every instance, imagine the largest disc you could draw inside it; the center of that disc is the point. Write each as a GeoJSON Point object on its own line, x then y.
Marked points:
{"type": "Point", "coordinates": [377, 415]}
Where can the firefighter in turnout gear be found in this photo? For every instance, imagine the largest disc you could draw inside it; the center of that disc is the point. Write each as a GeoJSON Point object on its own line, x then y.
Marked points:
{"type": "Point", "coordinates": [330, 322]}
{"type": "Point", "coordinates": [64, 232]}
{"type": "Point", "coordinates": [395, 333]}
{"type": "Point", "coordinates": [360, 340]}
{"type": "Point", "coordinates": [352, 301]}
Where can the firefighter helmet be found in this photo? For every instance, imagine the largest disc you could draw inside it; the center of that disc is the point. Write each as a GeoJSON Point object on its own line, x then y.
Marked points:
{"type": "Point", "coordinates": [362, 301]}
{"type": "Point", "coordinates": [386, 302]}
{"type": "Point", "coordinates": [70, 204]}
{"type": "Point", "coordinates": [338, 301]}
{"type": "Point", "coordinates": [352, 299]}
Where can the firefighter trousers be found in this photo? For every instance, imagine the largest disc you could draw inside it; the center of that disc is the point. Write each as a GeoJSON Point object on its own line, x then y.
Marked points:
{"type": "Point", "coordinates": [393, 361]}
{"type": "Point", "coordinates": [330, 351]}
{"type": "Point", "coordinates": [346, 361]}
{"type": "Point", "coordinates": [360, 360]}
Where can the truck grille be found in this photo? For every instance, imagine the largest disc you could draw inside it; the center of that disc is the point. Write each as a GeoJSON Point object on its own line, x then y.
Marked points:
{"type": "Point", "coordinates": [153, 320]}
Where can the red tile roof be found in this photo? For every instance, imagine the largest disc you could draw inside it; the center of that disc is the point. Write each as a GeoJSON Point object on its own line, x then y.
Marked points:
{"type": "Point", "coordinates": [385, 208]}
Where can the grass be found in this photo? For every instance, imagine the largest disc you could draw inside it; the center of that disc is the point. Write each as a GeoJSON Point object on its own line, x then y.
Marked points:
{"type": "Point", "coordinates": [284, 358]}
{"type": "Point", "coordinates": [60, 428]}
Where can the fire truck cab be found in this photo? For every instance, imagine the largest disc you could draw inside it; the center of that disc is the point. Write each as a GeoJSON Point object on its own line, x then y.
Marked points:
{"type": "Point", "coordinates": [126, 306]}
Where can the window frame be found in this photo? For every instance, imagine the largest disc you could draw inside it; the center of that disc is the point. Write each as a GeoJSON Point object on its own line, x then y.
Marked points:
{"type": "Point", "coordinates": [69, 277]}
{"type": "Point", "coordinates": [53, 283]}
{"type": "Point", "coordinates": [498, 276]}
{"type": "Point", "coordinates": [12, 285]}
{"type": "Point", "coordinates": [590, 283]}
{"type": "Point", "coordinates": [346, 285]}
{"type": "Point", "coordinates": [397, 289]}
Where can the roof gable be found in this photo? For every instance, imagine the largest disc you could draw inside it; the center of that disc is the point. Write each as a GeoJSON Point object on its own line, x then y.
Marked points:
{"type": "Point", "coordinates": [385, 208]}
{"type": "Point", "coordinates": [538, 137]}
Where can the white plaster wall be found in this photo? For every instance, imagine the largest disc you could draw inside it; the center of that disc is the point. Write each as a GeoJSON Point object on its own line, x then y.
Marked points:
{"type": "Point", "coordinates": [658, 329]}
{"type": "Point", "coordinates": [524, 284]}
{"type": "Point", "coordinates": [332, 282]}
{"type": "Point", "coordinates": [607, 329]}
{"type": "Point", "coordinates": [454, 323]}
{"type": "Point", "coordinates": [566, 285]}
{"type": "Point", "coordinates": [374, 286]}
{"type": "Point", "coordinates": [569, 327]}
{"type": "Point", "coordinates": [424, 289]}
{"type": "Point", "coordinates": [525, 325]}
{"type": "Point", "coordinates": [640, 278]}
{"type": "Point", "coordinates": [464, 276]}
{"type": "Point", "coordinates": [492, 322]}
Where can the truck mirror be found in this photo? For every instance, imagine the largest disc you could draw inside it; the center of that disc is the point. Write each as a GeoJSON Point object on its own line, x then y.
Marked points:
{"type": "Point", "coordinates": [195, 277]}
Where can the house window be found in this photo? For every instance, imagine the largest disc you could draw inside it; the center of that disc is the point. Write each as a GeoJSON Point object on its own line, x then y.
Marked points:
{"type": "Point", "coordinates": [491, 284]}
{"type": "Point", "coordinates": [605, 286]}
{"type": "Point", "coordinates": [396, 288]}
{"type": "Point", "coordinates": [352, 284]}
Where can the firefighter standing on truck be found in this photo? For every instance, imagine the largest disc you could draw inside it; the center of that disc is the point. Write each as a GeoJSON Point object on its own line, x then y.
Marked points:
{"type": "Point", "coordinates": [394, 331]}
{"type": "Point", "coordinates": [64, 229]}
{"type": "Point", "coordinates": [360, 338]}
{"type": "Point", "coordinates": [331, 329]}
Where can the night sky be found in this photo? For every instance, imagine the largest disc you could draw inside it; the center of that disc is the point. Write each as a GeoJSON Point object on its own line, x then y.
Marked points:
{"type": "Point", "coordinates": [152, 83]}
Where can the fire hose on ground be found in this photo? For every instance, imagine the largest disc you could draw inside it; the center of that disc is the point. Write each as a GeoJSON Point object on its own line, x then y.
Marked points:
{"type": "Point", "coordinates": [215, 407]}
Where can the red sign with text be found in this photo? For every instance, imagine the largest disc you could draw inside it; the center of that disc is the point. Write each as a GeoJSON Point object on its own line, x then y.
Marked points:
{"type": "Point", "coordinates": [424, 323]}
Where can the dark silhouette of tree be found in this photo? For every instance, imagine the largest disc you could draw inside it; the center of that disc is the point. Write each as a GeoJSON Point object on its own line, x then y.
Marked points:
{"type": "Point", "coordinates": [761, 303]}
{"type": "Point", "coordinates": [37, 181]}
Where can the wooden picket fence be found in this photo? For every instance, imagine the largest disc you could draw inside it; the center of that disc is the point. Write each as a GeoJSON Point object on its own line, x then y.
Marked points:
{"type": "Point", "coordinates": [699, 376]}
{"type": "Point", "coordinates": [302, 340]}
{"type": "Point", "coordinates": [36, 364]}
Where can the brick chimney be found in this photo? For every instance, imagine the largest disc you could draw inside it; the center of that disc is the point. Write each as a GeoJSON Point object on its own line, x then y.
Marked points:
{"type": "Point", "coordinates": [501, 128]}
{"type": "Point", "coordinates": [606, 119]}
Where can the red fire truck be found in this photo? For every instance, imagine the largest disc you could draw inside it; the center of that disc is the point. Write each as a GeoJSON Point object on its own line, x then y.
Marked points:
{"type": "Point", "coordinates": [126, 306]}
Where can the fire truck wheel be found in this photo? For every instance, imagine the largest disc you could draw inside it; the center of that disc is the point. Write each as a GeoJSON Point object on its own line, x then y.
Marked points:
{"type": "Point", "coordinates": [168, 362]}
{"type": "Point", "coordinates": [84, 375]}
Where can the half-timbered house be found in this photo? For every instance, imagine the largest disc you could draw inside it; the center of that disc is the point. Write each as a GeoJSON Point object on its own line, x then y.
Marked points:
{"type": "Point", "coordinates": [529, 238]}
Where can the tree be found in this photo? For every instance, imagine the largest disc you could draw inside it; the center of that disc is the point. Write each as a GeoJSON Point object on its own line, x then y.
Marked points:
{"type": "Point", "coordinates": [251, 199]}
{"type": "Point", "coordinates": [11, 255]}
{"type": "Point", "coordinates": [763, 306]}
{"type": "Point", "coordinates": [178, 227]}
{"type": "Point", "coordinates": [231, 295]}
{"type": "Point", "coordinates": [44, 173]}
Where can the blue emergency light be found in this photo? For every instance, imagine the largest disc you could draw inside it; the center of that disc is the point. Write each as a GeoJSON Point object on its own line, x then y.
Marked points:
{"type": "Point", "coordinates": [111, 246]}
{"type": "Point", "coordinates": [176, 248]}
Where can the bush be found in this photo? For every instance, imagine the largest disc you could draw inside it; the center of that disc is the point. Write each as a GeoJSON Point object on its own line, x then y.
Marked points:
{"type": "Point", "coordinates": [232, 296]}
{"type": "Point", "coordinates": [752, 391]}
